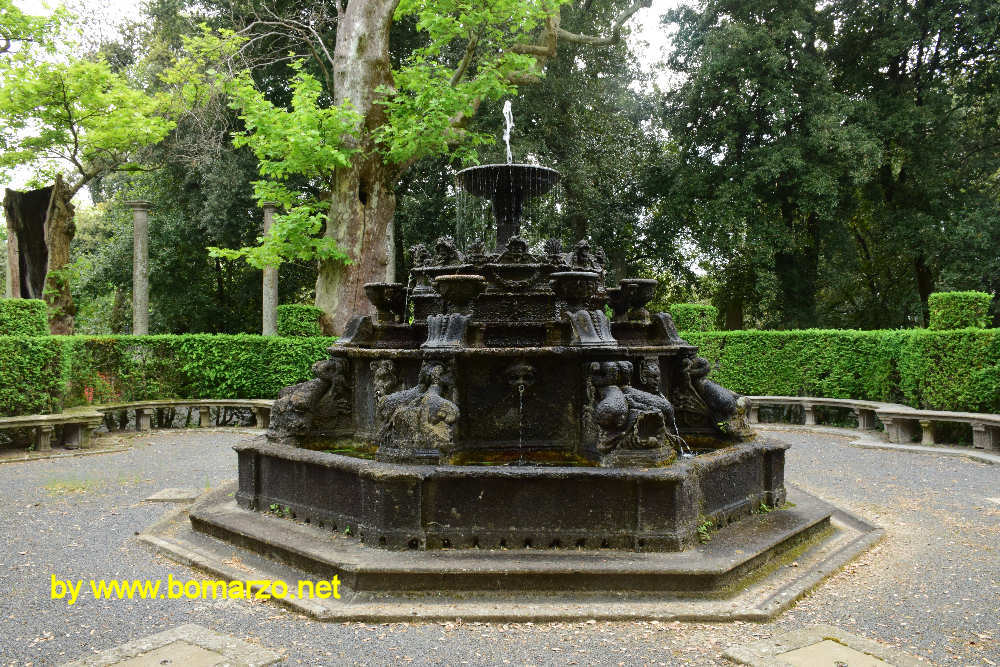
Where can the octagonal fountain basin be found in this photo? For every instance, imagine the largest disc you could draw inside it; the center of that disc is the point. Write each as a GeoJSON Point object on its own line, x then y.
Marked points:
{"type": "Point", "coordinates": [395, 506]}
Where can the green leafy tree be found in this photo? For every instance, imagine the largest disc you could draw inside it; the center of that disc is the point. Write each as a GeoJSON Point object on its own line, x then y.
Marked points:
{"type": "Point", "coordinates": [399, 108]}
{"type": "Point", "coordinates": [70, 121]}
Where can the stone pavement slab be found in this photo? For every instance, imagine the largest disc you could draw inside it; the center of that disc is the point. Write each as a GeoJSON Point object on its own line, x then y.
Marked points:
{"type": "Point", "coordinates": [173, 495]}
{"type": "Point", "coordinates": [188, 645]}
{"type": "Point", "coordinates": [819, 646]}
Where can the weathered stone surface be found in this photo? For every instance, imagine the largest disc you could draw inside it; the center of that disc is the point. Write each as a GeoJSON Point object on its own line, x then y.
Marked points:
{"type": "Point", "coordinates": [427, 506]}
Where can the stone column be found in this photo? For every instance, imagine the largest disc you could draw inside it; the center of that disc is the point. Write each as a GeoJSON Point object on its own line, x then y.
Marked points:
{"type": "Point", "coordinates": [269, 319]}
{"type": "Point", "coordinates": [140, 267]}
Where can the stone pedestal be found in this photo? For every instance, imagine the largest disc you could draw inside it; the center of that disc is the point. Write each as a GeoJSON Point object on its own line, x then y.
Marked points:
{"type": "Point", "coordinates": [143, 419]}
{"type": "Point", "coordinates": [204, 417]}
{"type": "Point", "coordinates": [45, 438]}
{"type": "Point", "coordinates": [810, 412]}
{"type": "Point", "coordinates": [985, 436]}
{"type": "Point", "coordinates": [927, 432]}
{"type": "Point", "coordinates": [866, 419]}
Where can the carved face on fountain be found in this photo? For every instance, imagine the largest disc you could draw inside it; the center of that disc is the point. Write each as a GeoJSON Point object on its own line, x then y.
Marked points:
{"type": "Point", "coordinates": [520, 375]}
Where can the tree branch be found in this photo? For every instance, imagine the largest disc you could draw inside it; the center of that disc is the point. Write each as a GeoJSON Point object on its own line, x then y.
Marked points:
{"type": "Point", "coordinates": [616, 28]}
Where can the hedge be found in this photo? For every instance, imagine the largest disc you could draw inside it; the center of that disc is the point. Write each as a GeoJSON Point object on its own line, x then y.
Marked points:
{"type": "Point", "coordinates": [694, 316]}
{"type": "Point", "coordinates": [299, 320]}
{"type": "Point", "coordinates": [938, 370]}
{"type": "Point", "coordinates": [958, 310]}
{"type": "Point", "coordinates": [49, 373]}
{"type": "Point", "coordinates": [943, 370]}
{"type": "Point", "coordinates": [23, 317]}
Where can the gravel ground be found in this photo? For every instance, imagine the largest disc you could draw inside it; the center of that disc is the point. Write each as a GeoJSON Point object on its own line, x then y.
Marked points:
{"type": "Point", "coordinates": [931, 588]}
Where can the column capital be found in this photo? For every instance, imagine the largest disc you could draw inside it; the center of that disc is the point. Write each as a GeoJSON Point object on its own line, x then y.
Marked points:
{"type": "Point", "coordinates": [139, 204]}
{"type": "Point", "coordinates": [270, 204]}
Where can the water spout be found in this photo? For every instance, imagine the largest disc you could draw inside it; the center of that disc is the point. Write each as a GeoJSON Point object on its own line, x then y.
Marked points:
{"type": "Point", "coordinates": [520, 424]}
{"type": "Point", "coordinates": [508, 119]}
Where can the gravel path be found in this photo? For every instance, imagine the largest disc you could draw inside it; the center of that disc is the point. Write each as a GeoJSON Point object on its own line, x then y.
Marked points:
{"type": "Point", "coordinates": [931, 588]}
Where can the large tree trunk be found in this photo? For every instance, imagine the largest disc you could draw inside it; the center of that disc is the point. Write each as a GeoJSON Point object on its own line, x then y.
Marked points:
{"type": "Point", "coordinates": [40, 226]}
{"type": "Point", "coordinates": [363, 200]}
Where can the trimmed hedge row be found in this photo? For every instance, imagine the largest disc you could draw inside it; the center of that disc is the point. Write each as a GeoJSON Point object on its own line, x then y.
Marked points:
{"type": "Point", "coordinates": [943, 370]}
{"type": "Point", "coordinates": [299, 320]}
{"type": "Point", "coordinates": [694, 316]}
{"type": "Point", "coordinates": [937, 370]}
{"type": "Point", "coordinates": [23, 317]}
{"type": "Point", "coordinates": [49, 373]}
{"type": "Point", "coordinates": [958, 310]}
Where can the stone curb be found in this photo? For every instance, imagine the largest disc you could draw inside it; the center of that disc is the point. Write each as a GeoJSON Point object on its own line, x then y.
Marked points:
{"type": "Point", "coordinates": [69, 453]}
{"type": "Point", "coordinates": [868, 442]}
{"type": "Point", "coordinates": [167, 537]}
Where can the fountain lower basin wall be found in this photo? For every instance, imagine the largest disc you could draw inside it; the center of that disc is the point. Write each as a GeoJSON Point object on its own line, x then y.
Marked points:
{"type": "Point", "coordinates": [396, 506]}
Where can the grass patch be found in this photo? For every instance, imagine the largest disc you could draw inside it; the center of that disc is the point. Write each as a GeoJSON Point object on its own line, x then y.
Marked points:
{"type": "Point", "coordinates": [62, 487]}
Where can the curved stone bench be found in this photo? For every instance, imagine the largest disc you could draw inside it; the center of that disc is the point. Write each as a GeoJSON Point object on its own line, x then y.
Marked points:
{"type": "Point", "coordinates": [78, 427]}
{"type": "Point", "coordinates": [143, 409]}
{"type": "Point", "coordinates": [80, 423]}
{"type": "Point", "coordinates": [901, 421]}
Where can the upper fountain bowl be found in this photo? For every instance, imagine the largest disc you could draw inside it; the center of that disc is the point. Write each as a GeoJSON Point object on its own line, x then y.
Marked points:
{"type": "Point", "coordinates": [487, 180]}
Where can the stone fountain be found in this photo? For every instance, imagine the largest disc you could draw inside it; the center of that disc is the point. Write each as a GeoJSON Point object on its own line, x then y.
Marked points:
{"type": "Point", "coordinates": [491, 407]}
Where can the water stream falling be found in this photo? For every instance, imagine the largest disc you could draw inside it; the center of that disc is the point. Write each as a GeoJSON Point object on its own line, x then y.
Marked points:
{"type": "Point", "coordinates": [685, 450]}
{"type": "Point", "coordinates": [520, 424]}
{"type": "Point", "coordinates": [508, 119]}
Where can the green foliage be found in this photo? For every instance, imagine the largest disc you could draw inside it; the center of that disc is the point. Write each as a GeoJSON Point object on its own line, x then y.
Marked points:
{"type": "Point", "coordinates": [32, 369]}
{"type": "Point", "coordinates": [832, 169]}
{"type": "Point", "coordinates": [694, 316]}
{"type": "Point", "coordinates": [79, 112]}
{"type": "Point", "coordinates": [23, 317]}
{"type": "Point", "coordinates": [299, 320]}
{"type": "Point", "coordinates": [958, 310]}
{"type": "Point", "coordinates": [430, 91]}
{"type": "Point", "coordinates": [48, 373]}
{"type": "Point", "coordinates": [952, 370]}
{"type": "Point", "coordinates": [949, 370]}
{"type": "Point", "coordinates": [309, 140]}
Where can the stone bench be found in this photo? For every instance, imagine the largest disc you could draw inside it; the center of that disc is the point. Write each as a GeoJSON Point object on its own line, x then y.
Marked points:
{"type": "Point", "coordinates": [865, 411]}
{"type": "Point", "coordinates": [78, 427]}
{"type": "Point", "coordinates": [79, 424]}
{"type": "Point", "coordinates": [901, 422]}
{"type": "Point", "coordinates": [901, 426]}
{"type": "Point", "coordinates": [144, 409]}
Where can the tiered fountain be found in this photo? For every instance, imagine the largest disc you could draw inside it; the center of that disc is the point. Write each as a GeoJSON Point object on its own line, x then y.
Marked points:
{"type": "Point", "coordinates": [491, 407]}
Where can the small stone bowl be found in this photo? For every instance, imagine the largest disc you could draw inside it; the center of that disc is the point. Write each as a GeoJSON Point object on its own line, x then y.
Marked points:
{"type": "Point", "coordinates": [574, 287]}
{"type": "Point", "coordinates": [636, 293]}
{"type": "Point", "coordinates": [389, 300]}
{"type": "Point", "coordinates": [459, 290]}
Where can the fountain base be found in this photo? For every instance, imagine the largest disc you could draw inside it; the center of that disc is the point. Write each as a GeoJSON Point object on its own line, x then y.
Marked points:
{"type": "Point", "coordinates": [428, 507]}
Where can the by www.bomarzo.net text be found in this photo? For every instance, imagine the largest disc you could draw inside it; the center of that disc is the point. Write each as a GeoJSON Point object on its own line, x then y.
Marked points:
{"type": "Point", "coordinates": [191, 589]}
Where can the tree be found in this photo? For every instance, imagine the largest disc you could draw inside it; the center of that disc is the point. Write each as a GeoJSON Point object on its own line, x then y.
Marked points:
{"type": "Point", "coordinates": [396, 115]}
{"type": "Point", "coordinates": [833, 153]}
{"type": "Point", "coordinates": [762, 148]}
{"type": "Point", "coordinates": [71, 121]}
